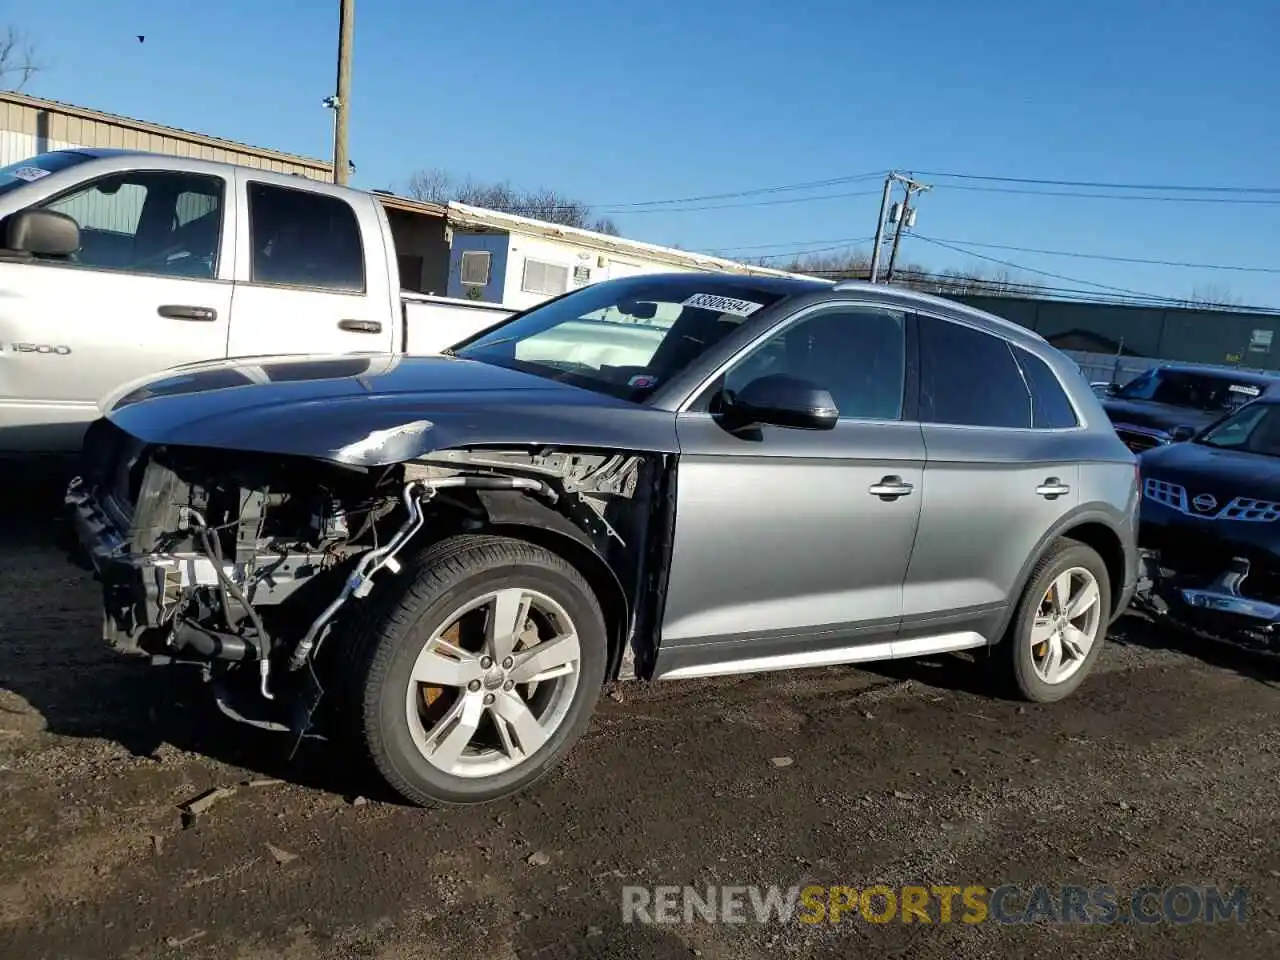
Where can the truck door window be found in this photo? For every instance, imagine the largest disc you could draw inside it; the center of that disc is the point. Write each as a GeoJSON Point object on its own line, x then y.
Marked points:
{"type": "Point", "coordinates": [148, 221]}
{"type": "Point", "coordinates": [304, 239]}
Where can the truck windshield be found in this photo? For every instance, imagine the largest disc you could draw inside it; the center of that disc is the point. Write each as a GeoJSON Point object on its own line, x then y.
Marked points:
{"type": "Point", "coordinates": [19, 174]}
{"type": "Point", "coordinates": [1255, 429]}
{"type": "Point", "coordinates": [1183, 388]}
{"type": "Point", "coordinates": [624, 338]}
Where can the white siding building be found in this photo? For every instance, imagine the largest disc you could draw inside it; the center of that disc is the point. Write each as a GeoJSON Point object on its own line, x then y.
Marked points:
{"type": "Point", "coordinates": [519, 262]}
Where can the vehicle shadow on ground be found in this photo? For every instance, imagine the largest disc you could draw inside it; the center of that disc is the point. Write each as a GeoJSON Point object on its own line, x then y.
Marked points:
{"type": "Point", "coordinates": [53, 659]}
{"type": "Point", "coordinates": [1138, 630]}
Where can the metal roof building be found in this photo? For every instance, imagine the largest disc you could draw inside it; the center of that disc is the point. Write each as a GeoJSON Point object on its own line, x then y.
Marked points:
{"type": "Point", "coordinates": [30, 125]}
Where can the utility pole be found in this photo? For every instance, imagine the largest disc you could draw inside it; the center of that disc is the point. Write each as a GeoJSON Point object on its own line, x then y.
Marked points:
{"type": "Point", "coordinates": [884, 208]}
{"type": "Point", "coordinates": [342, 101]}
{"type": "Point", "coordinates": [906, 218]}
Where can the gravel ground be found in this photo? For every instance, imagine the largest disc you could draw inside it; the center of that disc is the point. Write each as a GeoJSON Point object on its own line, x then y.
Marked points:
{"type": "Point", "coordinates": [1164, 769]}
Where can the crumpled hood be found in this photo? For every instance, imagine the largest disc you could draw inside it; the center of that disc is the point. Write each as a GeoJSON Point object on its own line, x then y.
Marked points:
{"type": "Point", "coordinates": [1157, 416]}
{"type": "Point", "coordinates": [373, 410]}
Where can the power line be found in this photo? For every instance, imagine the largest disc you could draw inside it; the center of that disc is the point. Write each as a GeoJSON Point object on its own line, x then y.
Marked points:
{"type": "Point", "coordinates": [1117, 259]}
{"type": "Point", "coordinates": [783, 188]}
{"type": "Point", "coordinates": [728, 206]}
{"type": "Point", "coordinates": [1044, 273]}
{"type": "Point", "coordinates": [1168, 188]}
{"type": "Point", "coordinates": [797, 243]}
{"type": "Point", "coordinates": [1078, 195]}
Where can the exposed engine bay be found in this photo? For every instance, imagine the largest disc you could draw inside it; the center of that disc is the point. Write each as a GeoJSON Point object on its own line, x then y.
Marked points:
{"type": "Point", "coordinates": [246, 564]}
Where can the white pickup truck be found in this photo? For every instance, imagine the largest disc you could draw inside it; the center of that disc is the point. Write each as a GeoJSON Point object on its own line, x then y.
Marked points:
{"type": "Point", "coordinates": [116, 265]}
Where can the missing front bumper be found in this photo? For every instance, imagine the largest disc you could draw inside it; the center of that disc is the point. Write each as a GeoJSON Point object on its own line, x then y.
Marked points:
{"type": "Point", "coordinates": [1216, 606]}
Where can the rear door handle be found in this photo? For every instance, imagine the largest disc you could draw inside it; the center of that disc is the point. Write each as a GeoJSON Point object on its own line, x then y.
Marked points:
{"type": "Point", "coordinates": [1052, 488]}
{"type": "Point", "coordinates": [360, 326]}
{"type": "Point", "coordinates": [179, 311]}
{"type": "Point", "coordinates": [890, 488]}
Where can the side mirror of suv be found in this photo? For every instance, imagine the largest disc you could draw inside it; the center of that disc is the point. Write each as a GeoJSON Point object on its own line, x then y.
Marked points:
{"type": "Point", "coordinates": [1180, 433]}
{"type": "Point", "coordinates": [43, 233]}
{"type": "Point", "coordinates": [782, 401]}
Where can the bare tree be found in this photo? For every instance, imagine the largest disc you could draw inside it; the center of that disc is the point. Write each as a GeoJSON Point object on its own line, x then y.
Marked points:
{"type": "Point", "coordinates": [17, 59]}
{"type": "Point", "coordinates": [1213, 295]}
{"type": "Point", "coordinates": [438, 186]}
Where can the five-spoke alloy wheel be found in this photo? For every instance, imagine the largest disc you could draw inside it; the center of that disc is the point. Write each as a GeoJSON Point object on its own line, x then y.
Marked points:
{"type": "Point", "coordinates": [478, 675]}
{"type": "Point", "coordinates": [1060, 624]}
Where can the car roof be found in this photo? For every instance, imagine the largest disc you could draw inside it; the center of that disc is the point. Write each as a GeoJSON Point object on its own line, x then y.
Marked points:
{"type": "Point", "coordinates": [715, 281]}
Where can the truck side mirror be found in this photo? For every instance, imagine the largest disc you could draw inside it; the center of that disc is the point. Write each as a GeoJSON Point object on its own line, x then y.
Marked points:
{"type": "Point", "coordinates": [42, 233]}
{"type": "Point", "coordinates": [1182, 433]}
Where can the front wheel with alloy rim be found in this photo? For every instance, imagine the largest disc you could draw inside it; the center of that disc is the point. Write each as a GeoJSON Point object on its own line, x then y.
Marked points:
{"type": "Point", "coordinates": [478, 675]}
{"type": "Point", "coordinates": [1060, 624]}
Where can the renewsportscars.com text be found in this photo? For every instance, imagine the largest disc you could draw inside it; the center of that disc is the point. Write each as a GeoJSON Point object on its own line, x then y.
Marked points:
{"type": "Point", "coordinates": [971, 904]}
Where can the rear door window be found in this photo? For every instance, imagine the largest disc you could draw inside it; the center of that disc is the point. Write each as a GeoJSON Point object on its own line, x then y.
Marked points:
{"type": "Point", "coordinates": [304, 239]}
{"type": "Point", "coordinates": [969, 378]}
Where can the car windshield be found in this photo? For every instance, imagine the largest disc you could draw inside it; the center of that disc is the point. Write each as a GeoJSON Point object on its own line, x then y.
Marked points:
{"type": "Point", "coordinates": [624, 339]}
{"type": "Point", "coordinates": [19, 174]}
{"type": "Point", "coordinates": [1255, 429]}
{"type": "Point", "coordinates": [1182, 388]}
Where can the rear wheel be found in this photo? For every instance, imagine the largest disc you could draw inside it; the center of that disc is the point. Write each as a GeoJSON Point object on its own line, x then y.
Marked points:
{"type": "Point", "coordinates": [480, 674]}
{"type": "Point", "coordinates": [1060, 624]}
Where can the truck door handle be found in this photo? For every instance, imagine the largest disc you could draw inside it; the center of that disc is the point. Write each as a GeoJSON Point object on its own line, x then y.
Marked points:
{"type": "Point", "coordinates": [890, 488]}
{"type": "Point", "coordinates": [360, 326]}
{"type": "Point", "coordinates": [1052, 488]}
{"type": "Point", "coordinates": [178, 311]}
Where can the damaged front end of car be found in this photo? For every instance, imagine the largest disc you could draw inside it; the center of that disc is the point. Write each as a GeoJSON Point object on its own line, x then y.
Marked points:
{"type": "Point", "coordinates": [246, 563]}
{"type": "Point", "coordinates": [1214, 571]}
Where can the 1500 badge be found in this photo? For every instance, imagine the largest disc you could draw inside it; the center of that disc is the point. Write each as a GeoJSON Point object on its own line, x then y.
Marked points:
{"type": "Point", "coordinates": [56, 349]}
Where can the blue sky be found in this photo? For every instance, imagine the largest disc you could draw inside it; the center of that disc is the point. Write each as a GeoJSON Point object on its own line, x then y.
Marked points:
{"type": "Point", "coordinates": [616, 103]}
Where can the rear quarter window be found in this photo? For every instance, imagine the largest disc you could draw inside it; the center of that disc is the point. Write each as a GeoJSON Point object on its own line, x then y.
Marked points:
{"type": "Point", "coordinates": [1050, 406]}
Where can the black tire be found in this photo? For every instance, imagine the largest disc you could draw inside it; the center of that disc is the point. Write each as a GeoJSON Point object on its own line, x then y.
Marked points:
{"type": "Point", "coordinates": [1015, 653]}
{"type": "Point", "coordinates": [384, 639]}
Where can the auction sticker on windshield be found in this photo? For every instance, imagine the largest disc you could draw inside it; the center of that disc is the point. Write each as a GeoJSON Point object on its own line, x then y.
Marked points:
{"type": "Point", "coordinates": [1247, 391]}
{"type": "Point", "coordinates": [729, 305]}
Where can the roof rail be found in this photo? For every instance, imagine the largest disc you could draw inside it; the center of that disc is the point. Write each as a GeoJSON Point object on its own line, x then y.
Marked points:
{"type": "Point", "coordinates": [850, 284]}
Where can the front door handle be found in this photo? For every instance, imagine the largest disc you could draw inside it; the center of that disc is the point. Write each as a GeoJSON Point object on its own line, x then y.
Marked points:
{"type": "Point", "coordinates": [179, 311]}
{"type": "Point", "coordinates": [890, 488]}
{"type": "Point", "coordinates": [1052, 488]}
{"type": "Point", "coordinates": [360, 326]}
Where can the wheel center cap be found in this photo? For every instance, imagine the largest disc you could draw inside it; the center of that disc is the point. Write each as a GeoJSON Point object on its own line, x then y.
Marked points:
{"type": "Point", "coordinates": [494, 678]}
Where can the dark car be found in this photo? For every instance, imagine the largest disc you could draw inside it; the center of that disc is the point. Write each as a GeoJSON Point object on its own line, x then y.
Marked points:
{"type": "Point", "coordinates": [1171, 402]}
{"type": "Point", "coordinates": [662, 477]}
{"type": "Point", "coordinates": [1210, 528]}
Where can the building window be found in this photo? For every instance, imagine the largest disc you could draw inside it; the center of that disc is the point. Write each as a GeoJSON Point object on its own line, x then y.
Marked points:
{"type": "Point", "coordinates": [548, 279]}
{"type": "Point", "coordinates": [475, 267]}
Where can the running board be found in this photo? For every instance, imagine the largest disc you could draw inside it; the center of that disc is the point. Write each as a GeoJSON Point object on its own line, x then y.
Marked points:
{"type": "Point", "coordinates": [860, 653]}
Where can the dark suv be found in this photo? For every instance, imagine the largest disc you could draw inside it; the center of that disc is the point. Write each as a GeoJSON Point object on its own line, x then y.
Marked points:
{"type": "Point", "coordinates": [1171, 402]}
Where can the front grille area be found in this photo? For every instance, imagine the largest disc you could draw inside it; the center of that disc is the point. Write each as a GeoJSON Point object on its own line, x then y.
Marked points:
{"type": "Point", "coordinates": [1241, 509]}
{"type": "Point", "coordinates": [1169, 494]}
{"type": "Point", "coordinates": [1137, 442]}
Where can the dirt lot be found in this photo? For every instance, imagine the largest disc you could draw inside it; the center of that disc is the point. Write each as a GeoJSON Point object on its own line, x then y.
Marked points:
{"type": "Point", "coordinates": [1165, 770]}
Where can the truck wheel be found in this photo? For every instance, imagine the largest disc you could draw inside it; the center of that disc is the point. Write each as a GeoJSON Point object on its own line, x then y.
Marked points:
{"type": "Point", "coordinates": [1060, 623]}
{"type": "Point", "coordinates": [478, 674]}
